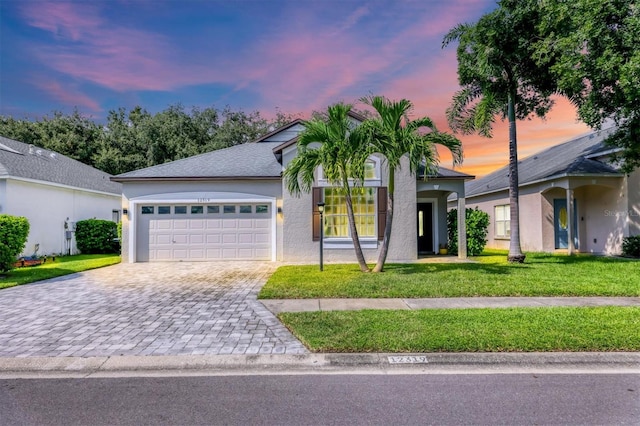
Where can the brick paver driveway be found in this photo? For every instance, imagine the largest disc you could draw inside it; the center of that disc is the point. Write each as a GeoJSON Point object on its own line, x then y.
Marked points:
{"type": "Point", "coordinates": [144, 309]}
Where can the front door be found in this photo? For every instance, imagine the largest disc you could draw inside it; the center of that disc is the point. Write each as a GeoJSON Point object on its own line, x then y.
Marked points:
{"type": "Point", "coordinates": [561, 223]}
{"type": "Point", "coordinates": [425, 228]}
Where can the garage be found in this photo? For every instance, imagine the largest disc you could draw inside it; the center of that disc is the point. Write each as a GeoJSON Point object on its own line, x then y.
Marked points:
{"type": "Point", "coordinates": [204, 232]}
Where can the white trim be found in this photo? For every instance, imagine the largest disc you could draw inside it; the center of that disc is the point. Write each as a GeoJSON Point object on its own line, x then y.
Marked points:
{"type": "Point", "coordinates": [434, 214]}
{"type": "Point", "coordinates": [59, 185]}
{"type": "Point", "coordinates": [198, 198]}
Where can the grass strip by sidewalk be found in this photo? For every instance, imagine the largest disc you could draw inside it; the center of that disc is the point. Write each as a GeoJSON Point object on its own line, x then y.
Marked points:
{"type": "Point", "coordinates": [544, 329]}
{"type": "Point", "coordinates": [61, 266]}
{"type": "Point", "coordinates": [543, 274]}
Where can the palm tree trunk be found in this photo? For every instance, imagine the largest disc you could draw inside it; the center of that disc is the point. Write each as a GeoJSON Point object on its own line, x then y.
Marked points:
{"type": "Point", "coordinates": [384, 249]}
{"type": "Point", "coordinates": [515, 251]}
{"type": "Point", "coordinates": [354, 232]}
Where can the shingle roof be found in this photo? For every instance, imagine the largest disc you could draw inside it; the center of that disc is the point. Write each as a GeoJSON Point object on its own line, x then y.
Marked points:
{"type": "Point", "coordinates": [20, 160]}
{"type": "Point", "coordinates": [566, 159]}
{"type": "Point", "coordinates": [444, 173]}
{"type": "Point", "coordinates": [249, 160]}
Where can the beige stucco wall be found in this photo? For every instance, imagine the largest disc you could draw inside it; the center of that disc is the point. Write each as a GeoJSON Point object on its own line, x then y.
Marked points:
{"type": "Point", "coordinates": [298, 245]}
{"type": "Point", "coordinates": [132, 191]}
{"type": "Point", "coordinates": [47, 207]}
{"type": "Point", "coordinates": [633, 206]}
{"type": "Point", "coordinates": [605, 213]}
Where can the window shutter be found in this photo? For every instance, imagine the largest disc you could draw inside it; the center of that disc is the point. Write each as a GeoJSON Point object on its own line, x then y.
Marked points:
{"type": "Point", "coordinates": [316, 197]}
{"type": "Point", "coordinates": [382, 211]}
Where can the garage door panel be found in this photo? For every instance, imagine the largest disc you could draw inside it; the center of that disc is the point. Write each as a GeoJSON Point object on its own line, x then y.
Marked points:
{"type": "Point", "coordinates": [196, 224]}
{"type": "Point", "coordinates": [180, 224]}
{"type": "Point", "coordinates": [262, 223]}
{"type": "Point", "coordinates": [245, 223]}
{"type": "Point", "coordinates": [206, 234]}
{"type": "Point", "coordinates": [229, 238]}
{"type": "Point", "coordinates": [262, 238]}
{"type": "Point", "coordinates": [230, 223]}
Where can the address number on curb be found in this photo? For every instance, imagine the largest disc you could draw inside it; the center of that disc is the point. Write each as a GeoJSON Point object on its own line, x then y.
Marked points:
{"type": "Point", "coordinates": [408, 359]}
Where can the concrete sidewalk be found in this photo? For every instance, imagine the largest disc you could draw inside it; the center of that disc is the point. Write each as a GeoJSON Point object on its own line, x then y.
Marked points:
{"type": "Point", "coordinates": [309, 305]}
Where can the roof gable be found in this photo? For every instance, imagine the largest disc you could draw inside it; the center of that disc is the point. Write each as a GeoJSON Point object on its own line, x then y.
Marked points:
{"type": "Point", "coordinates": [19, 160]}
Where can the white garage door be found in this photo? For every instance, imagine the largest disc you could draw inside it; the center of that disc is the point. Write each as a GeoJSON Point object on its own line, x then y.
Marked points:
{"type": "Point", "coordinates": [238, 231]}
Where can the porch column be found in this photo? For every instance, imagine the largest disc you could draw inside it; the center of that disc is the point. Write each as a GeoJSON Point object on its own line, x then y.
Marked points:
{"type": "Point", "coordinates": [462, 228]}
{"type": "Point", "coordinates": [570, 245]}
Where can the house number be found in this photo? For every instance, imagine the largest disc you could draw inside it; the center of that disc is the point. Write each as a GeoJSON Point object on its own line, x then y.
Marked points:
{"type": "Point", "coordinates": [204, 200]}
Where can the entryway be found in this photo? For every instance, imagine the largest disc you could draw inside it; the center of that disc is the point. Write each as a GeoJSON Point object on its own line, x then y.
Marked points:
{"type": "Point", "coordinates": [561, 223]}
{"type": "Point", "coordinates": [425, 228]}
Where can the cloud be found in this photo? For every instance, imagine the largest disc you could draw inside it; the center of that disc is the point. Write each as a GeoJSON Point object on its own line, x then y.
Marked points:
{"type": "Point", "coordinates": [68, 95]}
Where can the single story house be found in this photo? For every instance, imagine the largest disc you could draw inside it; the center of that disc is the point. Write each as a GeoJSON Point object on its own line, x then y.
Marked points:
{"type": "Point", "coordinates": [572, 198]}
{"type": "Point", "coordinates": [53, 192]}
{"type": "Point", "coordinates": [232, 204]}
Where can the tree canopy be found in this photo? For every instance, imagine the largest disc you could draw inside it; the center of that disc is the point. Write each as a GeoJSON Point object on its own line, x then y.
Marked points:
{"type": "Point", "coordinates": [591, 49]}
{"type": "Point", "coordinates": [133, 139]}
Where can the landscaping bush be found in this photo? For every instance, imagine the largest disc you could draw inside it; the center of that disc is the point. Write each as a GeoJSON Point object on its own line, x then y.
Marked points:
{"type": "Point", "coordinates": [14, 231]}
{"type": "Point", "coordinates": [477, 223]}
{"type": "Point", "coordinates": [631, 246]}
{"type": "Point", "coordinates": [95, 236]}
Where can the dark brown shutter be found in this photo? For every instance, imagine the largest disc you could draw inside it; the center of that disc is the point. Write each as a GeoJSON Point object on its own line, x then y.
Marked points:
{"type": "Point", "coordinates": [382, 211]}
{"type": "Point", "coordinates": [316, 197]}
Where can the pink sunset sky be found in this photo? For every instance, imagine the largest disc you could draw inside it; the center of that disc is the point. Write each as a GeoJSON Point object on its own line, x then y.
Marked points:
{"type": "Point", "coordinates": [296, 56]}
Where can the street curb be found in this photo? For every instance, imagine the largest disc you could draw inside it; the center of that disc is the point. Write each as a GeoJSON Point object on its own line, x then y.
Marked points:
{"type": "Point", "coordinates": [326, 363]}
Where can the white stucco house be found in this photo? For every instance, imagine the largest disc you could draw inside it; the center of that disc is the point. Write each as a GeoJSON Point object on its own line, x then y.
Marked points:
{"type": "Point", "coordinates": [232, 204]}
{"type": "Point", "coordinates": [572, 198]}
{"type": "Point", "coordinates": [51, 191]}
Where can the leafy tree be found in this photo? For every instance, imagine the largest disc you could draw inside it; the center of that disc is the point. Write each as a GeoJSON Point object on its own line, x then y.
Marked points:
{"type": "Point", "coordinates": [72, 135]}
{"type": "Point", "coordinates": [338, 146]}
{"type": "Point", "coordinates": [392, 134]}
{"type": "Point", "coordinates": [591, 48]}
{"type": "Point", "coordinates": [499, 78]}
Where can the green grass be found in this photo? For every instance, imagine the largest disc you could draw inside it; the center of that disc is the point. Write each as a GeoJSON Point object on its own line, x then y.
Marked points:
{"type": "Point", "coordinates": [542, 275]}
{"type": "Point", "coordinates": [469, 330]}
{"type": "Point", "coordinates": [62, 266]}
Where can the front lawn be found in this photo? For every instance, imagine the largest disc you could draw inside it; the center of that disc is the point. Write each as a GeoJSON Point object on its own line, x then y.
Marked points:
{"type": "Point", "coordinates": [61, 266]}
{"type": "Point", "coordinates": [542, 275]}
{"type": "Point", "coordinates": [469, 330]}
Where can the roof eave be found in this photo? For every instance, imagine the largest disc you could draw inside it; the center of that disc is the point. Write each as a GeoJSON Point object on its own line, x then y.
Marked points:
{"type": "Point", "coordinates": [550, 178]}
{"type": "Point", "coordinates": [191, 178]}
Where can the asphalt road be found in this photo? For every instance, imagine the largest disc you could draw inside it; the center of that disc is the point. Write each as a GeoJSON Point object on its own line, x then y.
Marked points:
{"type": "Point", "coordinates": [325, 399]}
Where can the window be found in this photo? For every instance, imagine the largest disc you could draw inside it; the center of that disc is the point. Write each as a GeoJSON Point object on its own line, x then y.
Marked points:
{"type": "Point", "coordinates": [336, 223]}
{"type": "Point", "coordinates": [502, 221]}
{"type": "Point", "coordinates": [245, 209]}
{"type": "Point", "coordinates": [229, 209]}
{"type": "Point", "coordinates": [213, 209]}
{"type": "Point", "coordinates": [147, 209]}
{"type": "Point", "coordinates": [164, 209]}
{"type": "Point", "coordinates": [197, 209]}
{"type": "Point", "coordinates": [115, 216]}
{"type": "Point", "coordinates": [262, 208]}
{"type": "Point", "coordinates": [180, 210]}
{"type": "Point", "coordinates": [370, 170]}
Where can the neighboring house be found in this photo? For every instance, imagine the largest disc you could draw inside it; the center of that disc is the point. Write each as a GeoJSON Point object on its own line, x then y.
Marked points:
{"type": "Point", "coordinates": [232, 204]}
{"type": "Point", "coordinates": [572, 197]}
{"type": "Point", "coordinates": [53, 192]}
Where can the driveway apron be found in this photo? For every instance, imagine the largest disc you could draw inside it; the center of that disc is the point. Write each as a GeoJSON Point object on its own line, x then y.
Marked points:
{"type": "Point", "coordinates": [185, 308]}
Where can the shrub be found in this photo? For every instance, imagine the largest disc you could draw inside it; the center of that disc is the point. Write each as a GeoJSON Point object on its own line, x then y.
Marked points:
{"type": "Point", "coordinates": [14, 231]}
{"type": "Point", "coordinates": [95, 236]}
{"type": "Point", "coordinates": [477, 223]}
{"type": "Point", "coordinates": [631, 246]}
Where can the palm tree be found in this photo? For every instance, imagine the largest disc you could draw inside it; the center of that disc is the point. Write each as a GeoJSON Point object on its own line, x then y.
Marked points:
{"type": "Point", "coordinates": [499, 78]}
{"type": "Point", "coordinates": [394, 135]}
{"type": "Point", "coordinates": [335, 144]}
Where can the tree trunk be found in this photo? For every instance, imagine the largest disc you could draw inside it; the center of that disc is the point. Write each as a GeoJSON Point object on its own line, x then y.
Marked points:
{"type": "Point", "coordinates": [515, 252]}
{"type": "Point", "coordinates": [354, 233]}
{"type": "Point", "coordinates": [384, 249]}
